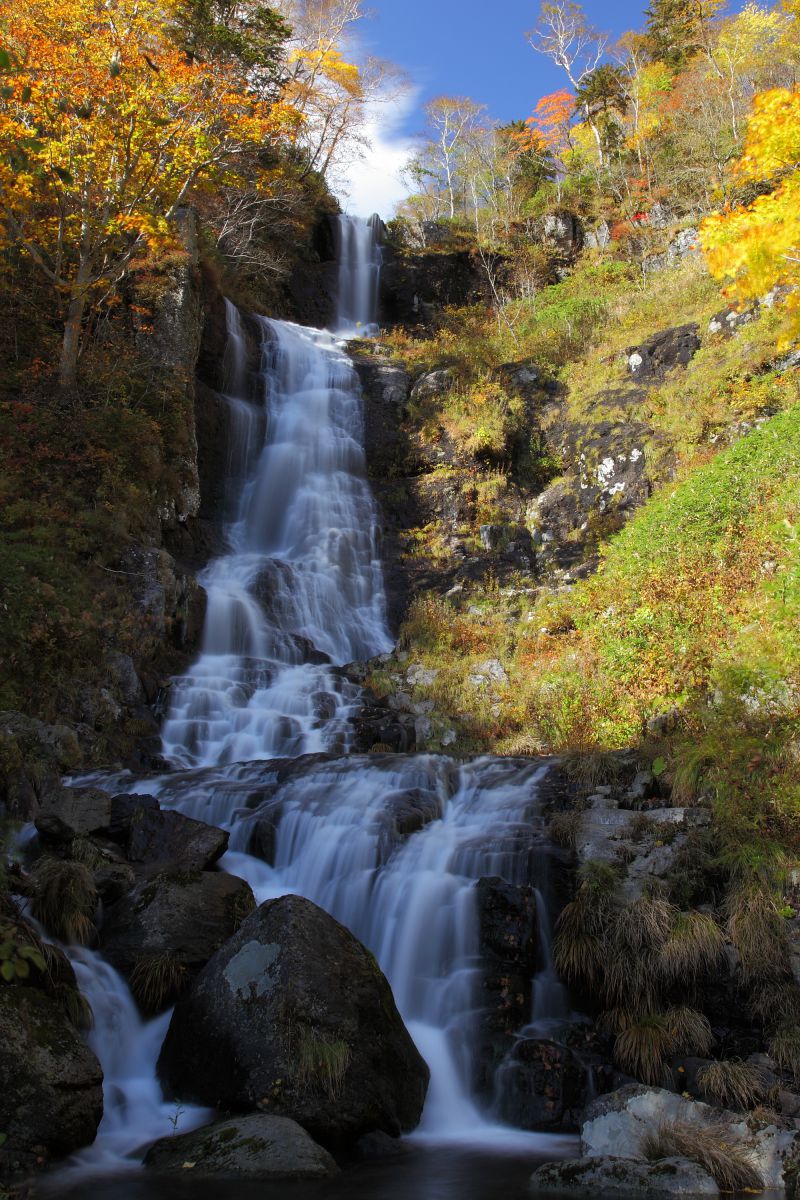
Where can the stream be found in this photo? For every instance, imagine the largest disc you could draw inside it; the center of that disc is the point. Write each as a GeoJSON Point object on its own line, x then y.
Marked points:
{"type": "Point", "coordinates": [258, 733]}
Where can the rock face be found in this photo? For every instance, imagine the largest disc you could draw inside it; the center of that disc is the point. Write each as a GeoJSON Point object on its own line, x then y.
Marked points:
{"type": "Point", "coordinates": [293, 1016]}
{"type": "Point", "coordinates": [185, 917]}
{"type": "Point", "coordinates": [623, 1177]}
{"type": "Point", "coordinates": [253, 1147]}
{"type": "Point", "coordinates": [52, 1096]}
{"type": "Point", "coordinates": [414, 287]}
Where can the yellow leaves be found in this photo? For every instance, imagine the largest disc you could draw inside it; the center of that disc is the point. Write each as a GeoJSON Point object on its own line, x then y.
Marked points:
{"type": "Point", "coordinates": [755, 248]}
{"type": "Point", "coordinates": [327, 60]}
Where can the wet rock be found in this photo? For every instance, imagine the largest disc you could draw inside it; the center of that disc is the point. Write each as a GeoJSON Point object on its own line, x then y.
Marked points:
{"type": "Point", "coordinates": [167, 836]}
{"type": "Point", "coordinates": [507, 928]}
{"type": "Point", "coordinates": [252, 1147]}
{"type": "Point", "coordinates": [51, 1100]}
{"type": "Point", "coordinates": [542, 1086]}
{"type": "Point", "coordinates": [293, 1016]}
{"type": "Point", "coordinates": [664, 351]}
{"type": "Point", "coordinates": [409, 811]}
{"type": "Point", "coordinates": [186, 918]}
{"type": "Point", "coordinates": [623, 1177]}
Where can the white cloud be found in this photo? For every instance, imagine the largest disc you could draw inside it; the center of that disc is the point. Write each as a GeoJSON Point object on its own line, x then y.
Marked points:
{"type": "Point", "coordinates": [374, 183]}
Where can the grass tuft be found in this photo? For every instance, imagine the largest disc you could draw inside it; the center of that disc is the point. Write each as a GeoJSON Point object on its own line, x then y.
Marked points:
{"type": "Point", "coordinates": [323, 1064]}
{"type": "Point", "coordinates": [64, 899]}
{"type": "Point", "coordinates": [733, 1083]}
{"type": "Point", "coordinates": [157, 980]}
{"type": "Point", "coordinates": [710, 1147]}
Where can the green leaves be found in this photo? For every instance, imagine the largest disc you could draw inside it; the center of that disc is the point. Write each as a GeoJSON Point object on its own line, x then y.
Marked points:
{"type": "Point", "coordinates": [16, 957]}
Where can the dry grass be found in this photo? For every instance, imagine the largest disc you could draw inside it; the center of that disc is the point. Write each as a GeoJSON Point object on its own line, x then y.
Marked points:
{"type": "Point", "coordinates": [642, 1048]}
{"type": "Point", "coordinates": [690, 1031]}
{"type": "Point", "coordinates": [694, 946]}
{"type": "Point", "coordinates": [64, 899]}
{"type": "Point", "coordinates": [323, 1064]}
{"type": "Point", "coordinates": [784, 1048]}
{"type": "Point", "coordinates": [710, 1147]}
{"type": "Point", "coordinates": [565, 828]}
{"type": "Point", "coordinates": [591, 768]}
{"type": "Point", "coordinates": [157, 980]}
{"type": "Point", "coordinates": [757, 930]}
{"type": "Point", "coordinates": [733, 1083]}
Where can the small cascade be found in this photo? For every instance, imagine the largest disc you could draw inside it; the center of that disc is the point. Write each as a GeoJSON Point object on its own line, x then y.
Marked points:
{"type": "Point", "coordinates": [134, 1111]}
{"type": "Point", "coordinates": [359, 256]}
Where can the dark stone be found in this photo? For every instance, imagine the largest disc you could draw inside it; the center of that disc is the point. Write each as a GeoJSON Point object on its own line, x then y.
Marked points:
{"type": "Point", "coordinates": [51, 1099]}
{"type": "Point", "coordinates": [664, 351]}
{"type": "Point", "coordinates": [508, 945]}
{"type": "Point", "coordinates": [66, 813]}
{"type": "Point", "coordinates": [185, 917]}
{"type": "Point", "coordinates": [253, 1147]}
{"type": "Point", "coordinates": [542, 1086]}
{"type": "Point", "coordinates": [415, 287]}
{"type": "Point", "coordinates": [166, 836]}
{"type": "Point", "coordinates": [294, 1016]}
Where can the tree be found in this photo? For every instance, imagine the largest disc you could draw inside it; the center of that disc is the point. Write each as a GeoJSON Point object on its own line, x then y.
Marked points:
{"type": "Point", "coordinates": [451, 121]}
{"type": "Point", "coordinates": [333, 94]}
{"type": "Point", "coordinates": [679, 29]}
{"type": "Point", "coordinates": [756, 247]}
{"type": "Point", "coordinates": [563, 34]}
{"type": "Point", "coordinates": [107, 128]}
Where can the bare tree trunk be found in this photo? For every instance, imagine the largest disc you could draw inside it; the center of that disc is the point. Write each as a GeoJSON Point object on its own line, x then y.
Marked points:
{"type": "Point", "coordinates": [70, 346]}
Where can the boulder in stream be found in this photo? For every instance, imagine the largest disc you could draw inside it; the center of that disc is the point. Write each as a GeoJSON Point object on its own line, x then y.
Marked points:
{"type": "Point", "coordinates": [251, 1147]}
{"type": "Point", "coordinates": [51, 1099]}
{"type": "Point", "coordinates": [623, 1177]}
{"type": "Point", "coordinates": [177, 918]}
{"type": "Point", "coordinates": [293, 1016]}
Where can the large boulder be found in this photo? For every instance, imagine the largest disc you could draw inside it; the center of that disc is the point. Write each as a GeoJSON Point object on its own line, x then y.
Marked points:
{"type": "Point", "coordinates": [183, 917]}
{"type": "Point", "coordinates": [623, 1177]}
{"type": "Point", "coordinates": [251, 1147]}
{"type": "Point", "coordinates": [617, 1124]}
{"type": "Point", "coordinates": [294, 1016]}
{"type": "Point", "coordinates": [51, 1098]}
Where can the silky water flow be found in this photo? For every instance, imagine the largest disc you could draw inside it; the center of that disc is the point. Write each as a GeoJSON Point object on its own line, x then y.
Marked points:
{"type": "Point", "coordinates": [299, 594]}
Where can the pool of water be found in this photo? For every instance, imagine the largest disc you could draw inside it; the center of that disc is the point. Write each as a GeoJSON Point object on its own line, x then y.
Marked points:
{"type": "Point", "coordinates": [419, 1173]}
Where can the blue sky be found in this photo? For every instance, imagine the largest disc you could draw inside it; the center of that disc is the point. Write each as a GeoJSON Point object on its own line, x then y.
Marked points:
{"type": "Point", "coordinates": [477, 48]}
{"type": "Point", "coordinates": [473, 48]}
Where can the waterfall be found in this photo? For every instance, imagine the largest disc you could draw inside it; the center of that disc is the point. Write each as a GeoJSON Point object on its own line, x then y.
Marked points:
{"type": "Point", "coordinates": [359, 255]}
{"type": "Point", "coordinates": [299, 594]}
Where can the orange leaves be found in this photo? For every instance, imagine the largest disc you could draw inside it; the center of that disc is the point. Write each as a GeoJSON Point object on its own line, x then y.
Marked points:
{"type": "Point", "coordinates": [552, 118]}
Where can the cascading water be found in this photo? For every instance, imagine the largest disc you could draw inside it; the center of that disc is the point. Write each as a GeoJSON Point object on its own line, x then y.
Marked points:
{"type": "Point", "coordinates": [359, 255]}
{"type": "Point", "coordinates": [299, 594]}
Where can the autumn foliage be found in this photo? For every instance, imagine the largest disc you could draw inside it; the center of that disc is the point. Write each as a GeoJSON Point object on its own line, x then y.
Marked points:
{"type": "Point", "coordinates": [755, 247]}
{"type": "Point", "coordinates": [108, 126]}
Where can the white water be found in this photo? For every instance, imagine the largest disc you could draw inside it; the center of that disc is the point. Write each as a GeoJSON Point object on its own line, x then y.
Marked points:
{"type": "Point", "coordinates": [359, 255]}
{"type": "Point", "coordinates": [300, 593]}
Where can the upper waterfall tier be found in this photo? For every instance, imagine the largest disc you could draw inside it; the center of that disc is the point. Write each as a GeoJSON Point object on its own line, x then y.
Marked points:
{"type": "Point", "coordinates": [302, 587]}
{"type": "Point", "coordinates": [359, 256]}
